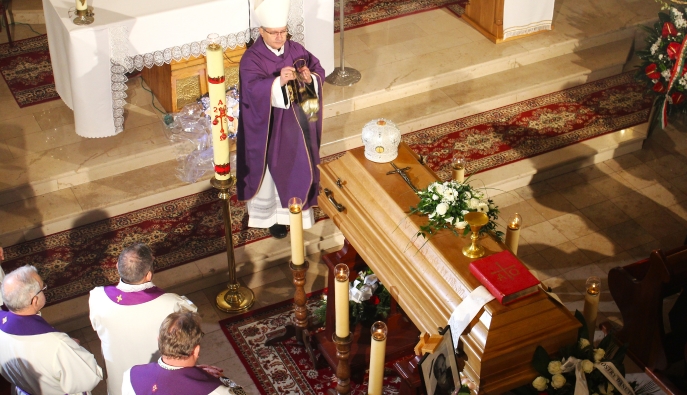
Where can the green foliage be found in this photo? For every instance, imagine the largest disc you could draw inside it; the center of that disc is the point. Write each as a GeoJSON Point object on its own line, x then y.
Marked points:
{"type": "Point", "coordinates": [446, 203]}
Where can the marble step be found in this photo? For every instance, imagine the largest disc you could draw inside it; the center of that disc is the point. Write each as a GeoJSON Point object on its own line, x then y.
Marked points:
{"type": "Point", "coordinates": [485, 93]}
{"type": "Point", "coordinates": [127, 183]}
{"type": "Point", "coordinates": [446, 67]}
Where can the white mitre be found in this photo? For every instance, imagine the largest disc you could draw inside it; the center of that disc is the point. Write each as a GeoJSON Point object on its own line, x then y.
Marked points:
{"type": "Point", "coordinates": [273, 13]}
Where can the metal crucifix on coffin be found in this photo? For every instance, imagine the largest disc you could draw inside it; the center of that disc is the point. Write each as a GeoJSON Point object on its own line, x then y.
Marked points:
{"type": "Point", "coordinates": [403, 174]}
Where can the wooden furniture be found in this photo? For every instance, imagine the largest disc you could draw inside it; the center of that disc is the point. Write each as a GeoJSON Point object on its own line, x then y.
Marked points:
{"type": "Point", "coordinates": [638, 290]}
{"type": "Point", "coordinates": [402, 334]}
{"type": "Point", "coordinates": [4, 12]}
{"type": "Point", "coordinates": [487, 17]}
{"type": "Point", "coordinates": [429, 278]}
{"type": "Point", "coordinates": [179, 83]}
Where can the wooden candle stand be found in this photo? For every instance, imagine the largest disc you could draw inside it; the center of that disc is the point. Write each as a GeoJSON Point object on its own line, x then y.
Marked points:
{"type": "Point", "coordinates": [343, 367]}
{"type": "Point", "coordinates": [300, 328]}
{"type": "Point", "coordinates": [402, 334]}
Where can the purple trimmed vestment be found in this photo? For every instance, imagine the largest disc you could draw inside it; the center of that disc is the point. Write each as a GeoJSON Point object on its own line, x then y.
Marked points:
{"type": "Point", "coordinates": [273, 136]}
{"type": "Point", "coordinates": [152, 379]}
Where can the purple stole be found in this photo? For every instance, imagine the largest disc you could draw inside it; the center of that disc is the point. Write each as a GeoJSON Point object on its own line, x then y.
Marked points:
{"type": "Point", "coordinates": [153, 379]}
{"type": "Point", "coordinates": [132, 298]}
{"type": "Point", "coordinates": [24, 325]}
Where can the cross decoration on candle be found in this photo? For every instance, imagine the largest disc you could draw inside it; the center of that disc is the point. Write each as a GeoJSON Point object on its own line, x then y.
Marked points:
{"type": "Point", "coordinates": [218, 109]}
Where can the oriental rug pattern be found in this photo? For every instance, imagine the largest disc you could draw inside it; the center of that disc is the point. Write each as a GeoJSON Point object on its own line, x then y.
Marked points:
{"type": "Point", "coordinates": [286, 368]}
{"type": "Point", "coordinates": [191, 228]}
{"type": "Point", "coordinates": [536, 126]}
{"type": "Point", "coordinates": [359, 13]}
{"type": "Point", "coordinates": [26, 69]}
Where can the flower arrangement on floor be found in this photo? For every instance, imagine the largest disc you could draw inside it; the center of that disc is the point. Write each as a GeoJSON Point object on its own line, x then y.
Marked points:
{"type": "Point", "coordinates": [446, 203]}
{"type": "Point", "coordinates": [663, 62]}
{"type": "Point", "coordinates": [368, 300]}
{"type": "Point", "coordinates": [595, 370]}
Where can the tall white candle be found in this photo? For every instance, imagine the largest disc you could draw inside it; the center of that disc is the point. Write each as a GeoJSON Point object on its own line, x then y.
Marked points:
{"type": "Point", "coordinates": [81, 5]}
{"type": "Point", "coordinates": [341, 297]}
{"type": "Point", "coordinates": [513, 233]}
{"type": "Point", "coordinates": [377, 353]}
{"type": "Point", "coordinates": [591, 304]}
{"type": "Point", "coordinates": [218, 108]}
{"type": "Point", "coordinates": [296, 223]}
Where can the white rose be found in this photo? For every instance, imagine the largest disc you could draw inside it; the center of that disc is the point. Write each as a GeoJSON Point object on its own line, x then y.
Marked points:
{"type": "Point", "coordinates": [587, 366]}
{"type": "Point", "coordinates": [467, 195]}
{"type": "Point", "coordinates": [473, 203]}
{"type": "Point", "coordinates": [584, 343]}
{"type": "Point", "coordinates": [598, 354]}
{"type": "Point", "coordinates": [435, 197]}
{"type": "Point", "coordinates": [461, 224]}
{"type": "Point", "coordinates": [554, 367]}
{"type": "Point", "coordinates": [540, 383]}
{"type": "Point", "coordinates": [557, 381]}
{"type": "Point", "coordinates": [441, 208]}
{"type": "Point", "coordinates": [449, 220]}
{"type": "Point", "coordinates": [439, 188]}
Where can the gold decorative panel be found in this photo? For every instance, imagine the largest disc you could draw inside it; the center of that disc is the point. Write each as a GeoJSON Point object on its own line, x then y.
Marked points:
{"type": "Point", "coordinates": [188, 90]}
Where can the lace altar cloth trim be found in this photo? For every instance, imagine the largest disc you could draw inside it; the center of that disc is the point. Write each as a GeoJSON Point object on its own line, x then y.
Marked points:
{"type": "Point", "coordinates": [121, 63]}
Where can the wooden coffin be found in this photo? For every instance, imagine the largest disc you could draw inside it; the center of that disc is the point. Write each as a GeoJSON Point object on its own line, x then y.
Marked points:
{"type": "Point", "coordinates": [429, 278]}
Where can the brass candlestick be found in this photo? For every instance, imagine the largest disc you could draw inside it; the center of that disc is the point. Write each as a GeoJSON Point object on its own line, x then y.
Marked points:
{"type": "Point", "coordinates": [476, 220]}
{"type": "Point", "coordinates": [84, 17]}
{"type": "Point", "coordinates": [234, 299]}
{"type": "Point", "coordinates": [343, 368]}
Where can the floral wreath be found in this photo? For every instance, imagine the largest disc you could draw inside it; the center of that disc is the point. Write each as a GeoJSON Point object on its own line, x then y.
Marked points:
{"type": "Point", "coordinates": [663, 63]}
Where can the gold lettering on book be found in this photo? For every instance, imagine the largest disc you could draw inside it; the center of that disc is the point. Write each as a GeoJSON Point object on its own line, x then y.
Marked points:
{"type": "Point", "coordinates": [506, 273]}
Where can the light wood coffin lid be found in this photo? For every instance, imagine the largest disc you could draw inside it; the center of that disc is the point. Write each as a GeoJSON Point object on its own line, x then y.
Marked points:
{"type": "Point", "coordinates": [429, 278]}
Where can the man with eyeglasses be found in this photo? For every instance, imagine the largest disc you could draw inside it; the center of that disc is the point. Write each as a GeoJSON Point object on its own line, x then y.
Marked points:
{"type": "Point", "coordinates": [278, 144]}
{"type": "Point", "coordinates": [127, 316]}
{"type": "Point", "coordinates": [176, 372]}
{"type": "Point", "coordinates": [35, 357]}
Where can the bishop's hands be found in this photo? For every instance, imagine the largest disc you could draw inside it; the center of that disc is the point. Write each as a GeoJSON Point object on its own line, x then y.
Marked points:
{"type": "Point", "coordinates": [290, 73]}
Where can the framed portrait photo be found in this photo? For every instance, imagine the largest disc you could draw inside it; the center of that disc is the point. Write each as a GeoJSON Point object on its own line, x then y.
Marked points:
{"type": "Point", "coordinates": [439, 370]}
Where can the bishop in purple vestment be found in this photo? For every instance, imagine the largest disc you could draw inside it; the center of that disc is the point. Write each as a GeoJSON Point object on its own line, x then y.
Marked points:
{"type": "Point", "coordinates": [276, 140]}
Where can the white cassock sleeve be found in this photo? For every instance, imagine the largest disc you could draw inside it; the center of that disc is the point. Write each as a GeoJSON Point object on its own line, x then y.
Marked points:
{"type": "Point", "coordinates": [74, 367]}
{"type": "Point", "coordinates": [127, 388]}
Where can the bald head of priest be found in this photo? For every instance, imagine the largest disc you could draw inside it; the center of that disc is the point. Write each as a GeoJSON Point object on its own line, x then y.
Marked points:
{"type": "Point", "coordinates": [277, 144]}
{"type": "Point", "coordinates": [127, 316]}
{"type": "Point", "coordinates": [35, 357]}
{"type": "Point", "coordinates": [177, 371]}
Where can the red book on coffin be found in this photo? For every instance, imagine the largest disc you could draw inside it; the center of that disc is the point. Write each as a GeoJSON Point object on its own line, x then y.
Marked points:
{"type": "Point", "coordinates": [505, 277]}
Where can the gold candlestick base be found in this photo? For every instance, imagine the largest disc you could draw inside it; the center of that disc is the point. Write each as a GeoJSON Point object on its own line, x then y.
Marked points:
{"type": "Point", "coordinates": [234, 299]}
{"type": "Point", "coordinates": [84, 17]}
{"type": "Point", "coordinates": [476, 220]}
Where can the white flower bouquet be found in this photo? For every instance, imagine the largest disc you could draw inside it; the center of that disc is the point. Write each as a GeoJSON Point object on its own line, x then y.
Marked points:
{"type": "Point", "coordinates": [446, 203]}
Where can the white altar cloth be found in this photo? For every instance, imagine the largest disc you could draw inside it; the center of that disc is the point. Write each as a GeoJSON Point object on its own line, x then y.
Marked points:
{"type": "Point", "coordinates": [89, 62]}
{"type": "Point", "coordinates": [522, 17]}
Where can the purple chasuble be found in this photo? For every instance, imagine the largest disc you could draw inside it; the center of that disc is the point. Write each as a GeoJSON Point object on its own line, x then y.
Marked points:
{"type": "Point", "coordinates": [24, 325]}
{"type": "Point", "coordinates": [132, 298]}
{"type": "Point", "coordinates": [153, 379]}
{"type": "Point", "coordinates": [273, 136]}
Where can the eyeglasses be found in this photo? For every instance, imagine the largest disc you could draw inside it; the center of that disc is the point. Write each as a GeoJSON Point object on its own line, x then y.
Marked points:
{"type": "Point", "coordinates": [42, 289]}
{"type": "Point", "coordinates": [274, 34]}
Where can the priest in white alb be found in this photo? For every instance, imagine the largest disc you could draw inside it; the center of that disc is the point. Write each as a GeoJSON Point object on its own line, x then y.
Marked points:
{"type": "Point", "coordinates": [127, 316]}
{"type": "Point", "coordinates": [35, 357]}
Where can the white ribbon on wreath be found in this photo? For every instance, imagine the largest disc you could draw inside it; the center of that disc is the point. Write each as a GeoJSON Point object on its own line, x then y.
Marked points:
{"type": "Point", "coordinates": [608, 369]}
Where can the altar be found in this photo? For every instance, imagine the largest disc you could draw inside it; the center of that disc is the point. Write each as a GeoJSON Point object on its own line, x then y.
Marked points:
{"type": "Point", "coordinates": [429, 278]}
{"type": "Point", "coordinates": [90, 62]}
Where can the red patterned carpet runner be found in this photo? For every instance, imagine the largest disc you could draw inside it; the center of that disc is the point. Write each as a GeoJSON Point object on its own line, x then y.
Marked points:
{"type": "Point", "coordinates": [26, 69]}
{"type": "Point", "coordinates": [286, 368]}
{"type": "Point", "coordinates": [191, 228]}
{"type": "Point", "coordinates": [359, 13]}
